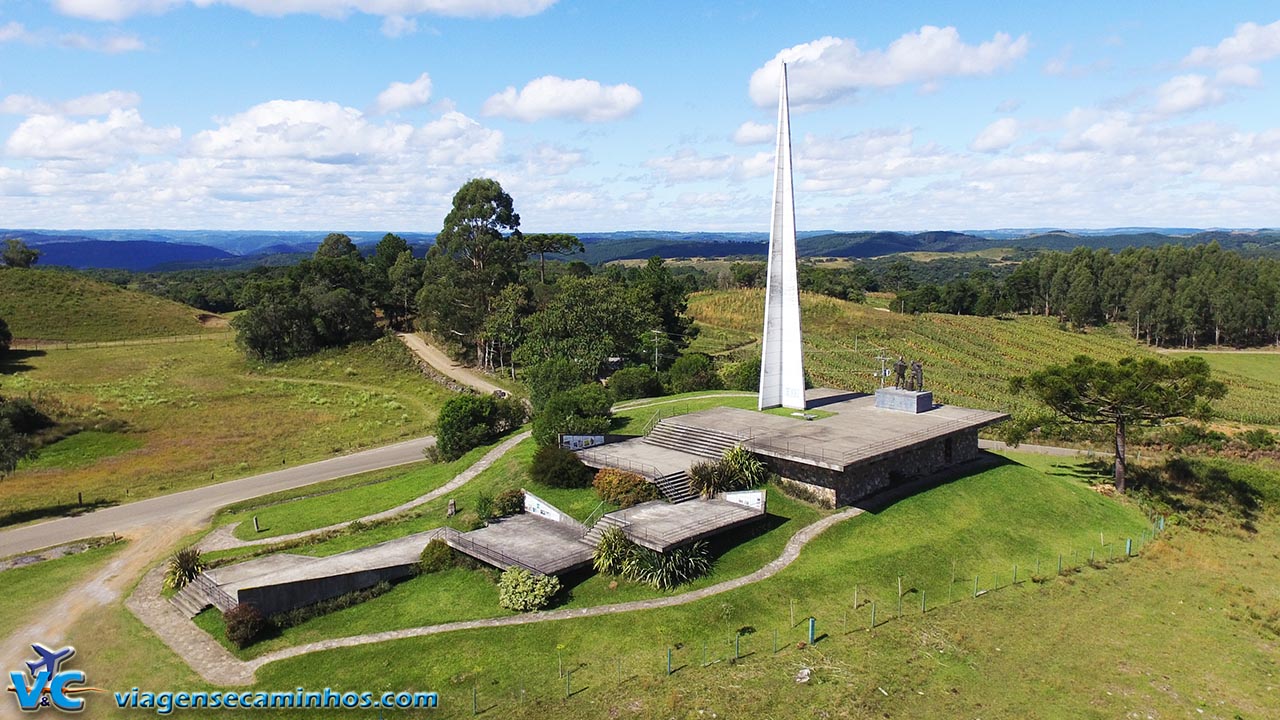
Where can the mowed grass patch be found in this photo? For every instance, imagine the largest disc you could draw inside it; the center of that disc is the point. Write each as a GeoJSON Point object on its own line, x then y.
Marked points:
{"type": "Point", "coordinates": [29, 588]}
{"type": "Point", "coordinates": [203, 414]}
{"type": "Point", "coordinates": [967, 360]}
{"type": "Point", "coordinates": [83, 448]}
{"type": "Point", "coordinates": [370, 493]}
{"type": "Point", "coordinates": [49, 304]}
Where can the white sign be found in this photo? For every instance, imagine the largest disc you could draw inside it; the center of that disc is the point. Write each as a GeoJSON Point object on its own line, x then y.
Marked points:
{"type": "Point", "coordinates": [535, 505]}
{"type": "Point", "coordinates": [753, 499]}
{"type": "Point", "coordinates": [579, 442]}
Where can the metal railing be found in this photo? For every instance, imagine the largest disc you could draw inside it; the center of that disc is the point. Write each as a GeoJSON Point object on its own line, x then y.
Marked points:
{"type": "Point", "coordinates": [865, 452]}
{"type": "Point", "coordinates": [593, 518]}
{"type": "Point", "coordinates": [604, 459]}
{"type": "Point", "coordinates": [461, 542]}
{"type": "Point", "coordinates": [705, 523]}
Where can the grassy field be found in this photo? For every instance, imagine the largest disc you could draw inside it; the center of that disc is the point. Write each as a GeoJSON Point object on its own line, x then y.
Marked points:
{"type": "Point", "coordinates": [195, 413]}
{"type": "Point", "coordinates": [967, 360]}
{"type": "Point", "coordinates": [27, 587]}
{"type": "Point", "coordinates": [74, 308]}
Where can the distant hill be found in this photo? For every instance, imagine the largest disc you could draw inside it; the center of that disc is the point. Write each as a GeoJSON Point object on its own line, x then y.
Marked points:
{"type": "Point", "coordinates": [123, 254]}
{"type": "Point", "coordinates": [50, 304]}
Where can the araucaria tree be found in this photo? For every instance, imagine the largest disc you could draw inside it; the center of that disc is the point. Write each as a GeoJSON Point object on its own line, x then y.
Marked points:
{"type": "Point", "coordinates": [1130, 393]}
{"type": "Point", "coordinates": [477, 253]}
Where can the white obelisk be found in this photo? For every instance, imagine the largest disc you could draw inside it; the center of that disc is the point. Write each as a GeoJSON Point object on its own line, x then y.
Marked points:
{"type": "Point", "coordinates": [781, 360]}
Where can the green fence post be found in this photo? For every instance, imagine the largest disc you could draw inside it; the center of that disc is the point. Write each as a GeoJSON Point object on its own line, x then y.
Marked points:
{"type": "Point", "coordinates": [668, 661]}
{"type": "Point", "coordinates": [737, 646]}
{"type": "Point", "coordinates": [775, 641]}
{"type": "Point", "coordinates": [1128, 547]}
{"type": "Point", "coordinates": [568, 677]}
{"type": "Point", "coordinates": [1059, 563]}
{"type": "Point", "coordinates": [873, 613]}
{"type": "Point", "coordinates": [475, 700]}
{"type": "Point", "coordinates": [1015, 574]}
{"type": "Point", "coordinates": [704, 654]}
{"type": "Point", "coordinates": [975, 586]}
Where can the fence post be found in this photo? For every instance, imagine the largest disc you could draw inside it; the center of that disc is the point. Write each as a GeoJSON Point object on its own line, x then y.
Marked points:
{"type": "Point", "coordinates": [1059, 563]}
{"type": "Point", "coordinates": [975, 586]}
{"type": "Point", "coordinates": [1015, 574]}
{"type": "Point", "coordinates": [1128, 547]}
{"type": "Point", "coordinates": [873, 613]}
{"type": "Point", "coordinates": [668, 661]}
{"type": "Point", "coordinates": [813, 624]}
{"type": "Point", "coordinates": [922, 601]}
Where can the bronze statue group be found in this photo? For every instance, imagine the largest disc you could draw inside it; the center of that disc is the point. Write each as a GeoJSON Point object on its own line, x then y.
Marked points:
{"type": "Point", "coordinates": [902, 382]}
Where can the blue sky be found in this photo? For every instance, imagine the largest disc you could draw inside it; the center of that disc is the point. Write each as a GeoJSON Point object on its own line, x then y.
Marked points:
{"type": "Point", "coordinates": [604, 115]}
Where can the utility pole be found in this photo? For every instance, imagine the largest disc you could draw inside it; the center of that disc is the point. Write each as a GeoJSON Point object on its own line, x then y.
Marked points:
{"type": "Point", "coordinates": [655, 350]}
{"type": "Point", "coordinates": [884, 369]}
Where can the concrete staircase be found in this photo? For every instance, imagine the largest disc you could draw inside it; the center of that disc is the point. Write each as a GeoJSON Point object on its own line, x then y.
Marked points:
{"type": "Point", "coordinates": [705, 442]}
{"type": "Point", "coordinates": [199, 594]}
{"type": "Point", "coordinates": [675, 487]}
{"type": "Point", "coordinates": [605, 522]}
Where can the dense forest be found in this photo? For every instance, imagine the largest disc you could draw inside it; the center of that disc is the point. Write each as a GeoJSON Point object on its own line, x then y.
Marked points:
{"type": "Point", "coordinates": [1169, 295]}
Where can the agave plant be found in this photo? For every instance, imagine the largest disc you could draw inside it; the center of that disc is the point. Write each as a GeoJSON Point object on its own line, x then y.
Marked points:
{"type": "Point", "coordinates": [184, 566]}
{"type": "Point", "coordinates": [612, 552]}
{"type": "Point", "coordinates": [664, 571]}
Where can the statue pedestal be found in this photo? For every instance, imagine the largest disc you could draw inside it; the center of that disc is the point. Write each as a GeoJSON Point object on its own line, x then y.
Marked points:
{"type": "Point", "coordinates": [908, 401]}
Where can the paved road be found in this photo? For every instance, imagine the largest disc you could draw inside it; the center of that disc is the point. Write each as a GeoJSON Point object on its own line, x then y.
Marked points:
{"type": "Point", "coordinates": [200, 503]}
{"type": "Point", "coordinates": [436, 358]}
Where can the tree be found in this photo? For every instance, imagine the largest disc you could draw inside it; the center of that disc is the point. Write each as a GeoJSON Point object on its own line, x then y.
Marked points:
{"type": "Point", "coordinates": [405, 280]}
{"type": "Point", "coordinates": [1131, 393]}
{"type": "Point", "coordinates": [543, 243]}
{"type": "Point", "coordinates": [16, 254]}
{"type": "Point", "coordinates": [6, 337]}
{"type": "Point", "coordinates": [337, 245]}
{"type": "Point", "coordinates": [582, 411]}
{"type": "Point", "coordinates": [388, 252]}
{"type": "Point", "coordinates": [587, 321]}
{"type": "Point", "coordinates": [471, 262]}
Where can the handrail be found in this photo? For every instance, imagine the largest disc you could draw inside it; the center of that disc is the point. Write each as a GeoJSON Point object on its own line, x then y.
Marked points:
{"type": "Point", "coordinates": [506, 560]}
{"type": "Point", "coordinates": [592, 519]}
{"type": "Point", "coordinates": [613, 461]}
{"type": "Point", "coordinates": [705, 520]}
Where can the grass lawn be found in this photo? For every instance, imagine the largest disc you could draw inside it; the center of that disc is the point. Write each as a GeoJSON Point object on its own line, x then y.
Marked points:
{"type": "Point", "coordinates": [197, 413]}
{"type": "Point", "coordinates": [49, 304]}
{"type": "Point", "coordinates": [83, 448]}
{"type": "Point", "coordinates": [27, 588]}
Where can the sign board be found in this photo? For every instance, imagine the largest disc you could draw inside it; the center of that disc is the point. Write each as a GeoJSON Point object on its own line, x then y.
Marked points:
{"type": "Point", "coordinates": [578, 442]}
{"type": "Point", "coordinates": [535, 505]}
{"type": "Point", "coordinates": [753, 499]}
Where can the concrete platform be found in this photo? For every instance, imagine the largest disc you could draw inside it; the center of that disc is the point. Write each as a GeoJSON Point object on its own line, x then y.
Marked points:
{"type": "Point", "coordinates": [639, 457]}
{"type": "Point", "coordinates": [534, 543]}
{"type": "Point", "coordinates": [660, 525]}
{"type": "Point", "coordinates": [857, 433]}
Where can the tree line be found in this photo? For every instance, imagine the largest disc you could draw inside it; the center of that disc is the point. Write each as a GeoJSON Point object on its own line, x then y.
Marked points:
{"type": "Point", "coordinates": [1169, 295]}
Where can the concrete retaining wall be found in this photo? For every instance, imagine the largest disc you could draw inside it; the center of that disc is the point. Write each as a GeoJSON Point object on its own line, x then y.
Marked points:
{"type": "Point", "coordinates": [272, 599]}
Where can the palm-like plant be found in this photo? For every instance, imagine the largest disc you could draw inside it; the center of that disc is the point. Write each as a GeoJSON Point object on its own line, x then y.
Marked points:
{"type": "Point", "coordinates": [612, 552]}
{"type": "Point", "coordinates": [184, 566]}
{"type": "Point", "coordinates": [743, 469]}
{"type": "Point", "coordinates": [707, 479]}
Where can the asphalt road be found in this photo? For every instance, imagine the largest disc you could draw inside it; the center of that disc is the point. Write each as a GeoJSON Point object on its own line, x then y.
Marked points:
{"type": "Point", "coordinates": [200, 503]}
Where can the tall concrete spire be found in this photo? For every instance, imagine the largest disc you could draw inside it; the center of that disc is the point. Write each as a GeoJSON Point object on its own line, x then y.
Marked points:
{"type": "Point", "coordinates": [781, 359]}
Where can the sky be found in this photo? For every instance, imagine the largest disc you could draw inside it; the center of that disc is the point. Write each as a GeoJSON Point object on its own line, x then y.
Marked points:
{"type": "Point", "coordinates": [607, 115]}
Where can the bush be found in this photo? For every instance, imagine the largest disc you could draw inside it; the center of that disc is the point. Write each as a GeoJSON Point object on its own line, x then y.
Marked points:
{"type": "Point", "coordinates": [1258, 439]}
{"type": "Point", "coordinates": [23, 416]}
{"type": "Point", "coordinates": [484, 507]}
{"type": "Point", "coordinates": [464, 423]}
{"type": "Point", "coordinates": [582, 411]}
{"type": "Point", "coordinates": [509, 502]}
{"type": "Point", "coordinates": [297, 616]}
{"type": "Point", "coordinates": [612, 552]}
{"type": "Point", "coordinates": [436, 557]}
{"type": "Point", "coordinates": [743, 375]}
{"type": "Point", "coordinates": [742, 470]}
{"type": "Point", "coordinates": [184, 566]}
{"type": "Point", "coordinates": [550, 378]}
{"type": "Point", "coordinates": [1192, 434]}
{"type": "Point", "coordinates": [663, 571]}
{"type": "Point", "coordinates": [692, 372]}
{"type": "Point", "coordinates": [635, 382]}
{"type": "Point", "coordinates": [522, 591]}
{"type": "Point", "coordinates": [624, 489]}
{"type": "Point", "coordinates": [708, 479]}
{"type": "Point", "coordinates": [244, 623]}
{"type": "Point", "coordinates": [556, 467]}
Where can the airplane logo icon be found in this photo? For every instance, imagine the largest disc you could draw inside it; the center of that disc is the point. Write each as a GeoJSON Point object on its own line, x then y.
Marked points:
{"type": "Point", "coordinates": [50, 685]}
{"type": "Point", "coordinates": [50, 660]}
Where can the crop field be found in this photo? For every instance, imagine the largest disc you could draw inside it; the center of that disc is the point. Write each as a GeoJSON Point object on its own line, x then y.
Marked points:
{"type": "Point", "coordinates": [174, 416]}
{"type": "Point", "coordinates": [74, 308]}
{"type": "Point", "coordinates": [967, 360]}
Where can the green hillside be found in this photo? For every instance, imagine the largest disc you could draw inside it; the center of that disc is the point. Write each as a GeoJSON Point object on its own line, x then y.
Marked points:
{"type": "Point", "coordinates": [40, 304]}
{"type": "Point", "coordinates": [968, 360]}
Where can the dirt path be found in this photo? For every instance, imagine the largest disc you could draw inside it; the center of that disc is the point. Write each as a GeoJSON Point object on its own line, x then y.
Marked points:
{"type": "Point", "coordinates": [436, 358]}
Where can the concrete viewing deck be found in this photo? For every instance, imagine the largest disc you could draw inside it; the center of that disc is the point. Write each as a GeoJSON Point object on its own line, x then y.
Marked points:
{"type": "Point", "coordinates": [857, 433]}
{"type": "Point", "coordinates": [534, 543]}
{"type": "Point", "coordinates": [660, 525]}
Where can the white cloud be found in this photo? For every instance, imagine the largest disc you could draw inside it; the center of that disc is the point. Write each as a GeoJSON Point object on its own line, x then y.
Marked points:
{"type": "Point", "coordinates": [1240, 75]}
{"type": "Point", "coordinates": [95, 104]}
{"type": "Point", "coordinates": [112, 45]}
{"type": "Point", "coordinates": [323, 132]}
{"type": "Point", "coordinates": [1251, 43]}
{"type": "Point", "coordinates": [456, 139]}
{"type": "Point", "coordinates": [402, 96]}
{"type": "Point", "coordinates": [829, 69]}
{"type": "Point", "coordinates": [551, 96]}
{"type": "Point", "coordinates": [1185, 93]}
{"type": "Point", "coordinates": [14, 31]}
{"type": "Point", "coordinates": [394, 26]}
{"type": "Point", "coordinates": [115, 10]}
{"type": "Point", "coordinates": [996, 136]}
{"type": "Point", "coordinates": [122, 133]}
{"type": "Point", "coordinates": [754, 133]}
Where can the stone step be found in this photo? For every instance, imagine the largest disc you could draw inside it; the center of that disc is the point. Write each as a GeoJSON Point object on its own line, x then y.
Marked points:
{"type": "Point", "coordinates": [675, 487]}
{"type": "Point", "coordinates": [189, 602]}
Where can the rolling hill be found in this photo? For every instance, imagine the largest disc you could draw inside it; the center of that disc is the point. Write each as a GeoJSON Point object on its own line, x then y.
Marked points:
{"type": "Point", "coordinates": [50, 304]}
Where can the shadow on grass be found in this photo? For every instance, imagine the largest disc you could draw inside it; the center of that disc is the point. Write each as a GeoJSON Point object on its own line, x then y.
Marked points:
{"type": "Point", "coordinates": [901, 489]}
{"type": "Point", "coordinates": [1093, 472]}
{"type": "Point", "coordinates": [15, 361]}
{"type": "Point", "coordinates": [1199, 491]}
{"type": "Point", "coordinates": [54, 511]}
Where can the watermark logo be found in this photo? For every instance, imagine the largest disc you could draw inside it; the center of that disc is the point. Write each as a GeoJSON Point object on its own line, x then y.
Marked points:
{"type": "Point", "coordinates": [45, 684]}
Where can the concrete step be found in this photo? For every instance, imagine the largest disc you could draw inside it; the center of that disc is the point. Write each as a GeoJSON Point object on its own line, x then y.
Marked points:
{"type": "Point", "coordinates": [206, 590]}
{"type": "Point", "coordinates": [189, 602]}
{"type": "Point", "coordinates": [675, 487]}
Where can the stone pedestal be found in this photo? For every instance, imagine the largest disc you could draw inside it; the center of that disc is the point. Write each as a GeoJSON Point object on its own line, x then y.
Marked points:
{"type": "Point", "coordinates": [908, 401]}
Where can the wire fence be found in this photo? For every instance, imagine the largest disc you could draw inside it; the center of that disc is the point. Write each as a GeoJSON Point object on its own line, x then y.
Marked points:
{"type": "Point", "coordinates": [69, 345]}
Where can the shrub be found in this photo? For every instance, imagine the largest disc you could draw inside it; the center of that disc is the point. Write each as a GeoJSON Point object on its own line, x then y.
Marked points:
{"type": "Point", "coordinates": [184, 566]}
{"type": "Point", "coordinates": [436, 557]}
{"type": "Point", "coordinates": [622, 488]}
{"type": "Point", "coordinates": [509, 502]}
{"type": "Point", "coordinates": [743, 375]}
{"type": "Point", "coordinates": [742, 470]}
{"type": "Point", "coordinates": [24, 416]}
{"type": "Point", "coordinates": [550, 378]}
{"type": "Point", "coordinates": [464, 423]}
{"type": "Point", "coordinates": [1258, 439]}
{"type": "Point", "coordinates": [692, 372]}
{"type": "Point", "coordinates": [635, 382]}
{"type": "Point", "coordinates": [297, 616]}
{"type": "Point", "coordinates": [663, 571]}
{"type": "Point", "coordinates": [522, 591]}
{"type": "Point", "coordinates": [582, 411]}
{"type": "Point", "coordinates": [708, 479]}
{"type": "Point", "coordinates": [508, 414]}
{"type": "Point", "coordinates": [244, 623]}
{"type": "Point", "coordinates": [557, 467]}
{"type": "Point", "coordinates": [484, 506]}
{"type": "Point", "coordinates": [612, 552]}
